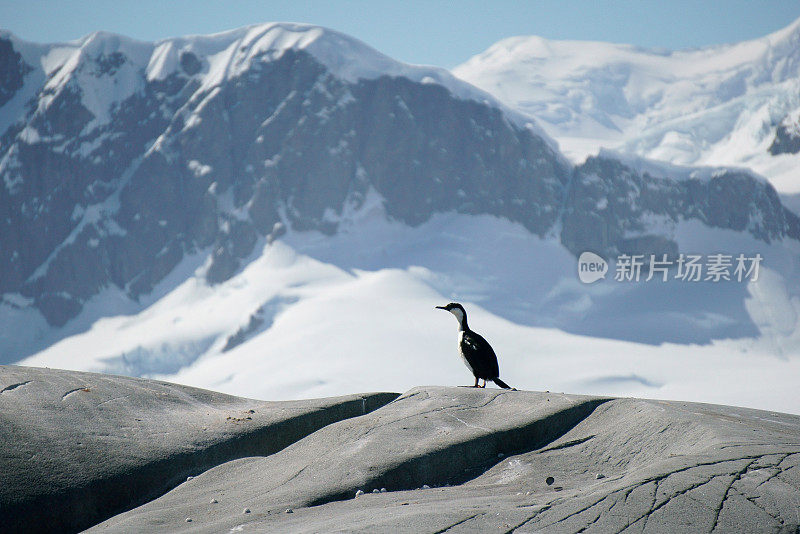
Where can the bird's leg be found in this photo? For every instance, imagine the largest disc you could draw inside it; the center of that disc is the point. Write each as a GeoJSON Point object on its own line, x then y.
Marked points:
{"type": "Point", "coordinates": [476, 383]}
{"type": "Point", "coordinates": [484, 383]}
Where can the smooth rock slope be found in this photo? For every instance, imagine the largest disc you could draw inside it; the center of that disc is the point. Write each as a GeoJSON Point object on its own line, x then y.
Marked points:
{"type": "Point", "coordinates": [436, 459]}
{"type": "Point", "coordinates": [466, 460]}
{"type": "Point", "coordinates": [80, 447]}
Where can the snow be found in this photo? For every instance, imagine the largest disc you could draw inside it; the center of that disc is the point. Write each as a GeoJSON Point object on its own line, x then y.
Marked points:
{"type": "Point", "coordinates": [355, 312]}
{"type": "Point", "coordinates": [715, 106]}
{"type": "Point", "coordinates": [661, 169]}
{"type": "Point", "coordinates": [73, 65]}
{"type": "Point", "coordinates": [163, 62]}
{"type": "Point", "coordinates": [317, 315]}
{"type": "Point", "coordinates": [198, 169]}
{"type": "Point", "coordinates": [29, 135]}
{"type": "Point", "coordinates": [230, 54]}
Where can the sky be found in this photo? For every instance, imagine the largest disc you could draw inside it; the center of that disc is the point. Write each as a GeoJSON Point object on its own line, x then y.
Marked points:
{"type": "Point", "coordinates": [435, 32]}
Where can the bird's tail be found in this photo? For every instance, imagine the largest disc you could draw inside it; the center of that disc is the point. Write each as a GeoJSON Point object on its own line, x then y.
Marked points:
{"type": "Point", "coordinates": [501, 383]}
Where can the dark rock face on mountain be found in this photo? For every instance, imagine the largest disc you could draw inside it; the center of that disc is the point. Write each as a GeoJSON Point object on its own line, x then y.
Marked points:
{"type": "Point", "coordinates": [180, 168]}
{"type": "Point", "coordinates": [12, 70]}
{"type": "Point", "coordinates": [787, 140]}
{"type": "Point", "coordinates": [609, 202]}
{"type": "Point", "coordinates": [115, 169]}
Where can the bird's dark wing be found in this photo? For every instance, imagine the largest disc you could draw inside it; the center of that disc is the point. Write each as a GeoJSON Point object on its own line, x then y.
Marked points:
{"type": "Point", "coordinates": [480, 355]}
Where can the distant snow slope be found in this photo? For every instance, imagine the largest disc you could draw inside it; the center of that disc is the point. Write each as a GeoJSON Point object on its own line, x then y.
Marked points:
{"type": "Point", "coordinates": [720, 105]}
{"type": "Point", "coordinates": [317, 315]}
{"type": "Point", "coordinates": [145, 185]}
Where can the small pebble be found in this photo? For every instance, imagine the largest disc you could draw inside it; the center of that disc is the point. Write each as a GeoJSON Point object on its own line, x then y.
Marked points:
{"type": "Point", "coordinates": [549, 481]}
{"type": "Point", "coordinates": [289, 511]}
{"type": "Point", "coordinates": [246, 511]}
{"type": "Point", "coordinates": [599, 476]}
{"type": "Point", "coordinates": [528, 493]}
{"type": "Point", "coordinates": [500, 455]}
{"type": "Point", "coordinates": [383, 490]}
{"type": "Point", "coordinates": [359, 493]}
{"type": "Point", "coordinates": [188, 519]}
{"type": "Point", "coordinates": [214, 501]}
{"type": "Point", "coordinates": [425, 486]}
{"type": "Point", "coordinates": [376, 490]}
{"type": "Point", "coordinates": [190, 477]}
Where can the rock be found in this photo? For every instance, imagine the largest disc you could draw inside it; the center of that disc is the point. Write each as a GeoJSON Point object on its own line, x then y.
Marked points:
{"type": "Point", "coordinates": [188, 519]}
{"type": "Point", "coordinates": [599, 476]}
{"type": "Point", "coordinates": [678, 466]}
{"type": "Point", "coordinates": [58, 456]}
{"type": "Point", "coordinates": [549, 481]}
{"type": "Point", "coordinates": [214, 501]}
{"type": "Point", "coordinates": [696, 459]}
{"type": "Point", "coordinates": [359, 493]}
{"type": "Point", "coordinates": [787, 136]}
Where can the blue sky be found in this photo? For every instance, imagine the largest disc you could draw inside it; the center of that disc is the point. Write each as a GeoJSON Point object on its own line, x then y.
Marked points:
{"type": "Point", "coordinates": [443, 33]}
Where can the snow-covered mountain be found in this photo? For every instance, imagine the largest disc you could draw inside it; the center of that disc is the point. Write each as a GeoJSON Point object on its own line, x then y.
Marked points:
{"type": "Point", "coordinates": [120, 157]}
{"type": "Point", "coordinates": [274, 211]}
{"type": "Point", "coordinates": [734, 105]}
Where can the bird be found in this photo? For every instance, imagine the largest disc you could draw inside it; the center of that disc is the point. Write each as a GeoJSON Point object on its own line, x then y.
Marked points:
{"type": "Point", "coordinates": [476, 352]}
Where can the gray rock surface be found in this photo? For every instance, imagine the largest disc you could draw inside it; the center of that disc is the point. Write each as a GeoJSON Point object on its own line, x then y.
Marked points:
{"type": "Point", "coordinates": [787, 140]}
{"type": "Point", "coordinates": [80, 447]}
{"type": "Point", "coordinates": [466, 460]}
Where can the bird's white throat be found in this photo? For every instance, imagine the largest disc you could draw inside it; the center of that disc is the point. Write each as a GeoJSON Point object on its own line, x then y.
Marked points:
{"type": "Point", "coordinates": [460, 316]}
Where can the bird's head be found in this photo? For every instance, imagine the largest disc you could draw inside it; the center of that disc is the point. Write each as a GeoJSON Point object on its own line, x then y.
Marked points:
{"type": "Point", "coordinates": [456, 309]}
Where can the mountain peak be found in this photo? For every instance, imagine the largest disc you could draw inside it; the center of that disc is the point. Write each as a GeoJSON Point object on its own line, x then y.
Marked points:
{"type": "Point", "coordinates": [717, 105]}
{"type": "Point", "coordinates": [792, 31]}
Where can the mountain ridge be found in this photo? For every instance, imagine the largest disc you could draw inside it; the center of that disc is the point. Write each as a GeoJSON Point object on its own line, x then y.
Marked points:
{"type": "Point", "coordinates": [716, 105]}
{"type": "Point", "coordinates": [171, 192]}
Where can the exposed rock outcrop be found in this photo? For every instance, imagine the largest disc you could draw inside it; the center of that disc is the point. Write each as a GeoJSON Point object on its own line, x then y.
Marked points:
{"type": "Point", "coordinates": [81, 447]}
{"type": "Point", "coordinates": [436, 458]}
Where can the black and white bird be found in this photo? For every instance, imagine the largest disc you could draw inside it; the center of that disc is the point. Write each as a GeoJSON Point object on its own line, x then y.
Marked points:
{"type": "Point", "coordinates": [475, 351]}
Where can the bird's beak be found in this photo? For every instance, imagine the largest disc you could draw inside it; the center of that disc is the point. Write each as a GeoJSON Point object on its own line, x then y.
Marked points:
{"type": "Point", "coordinates": [440, 308]}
